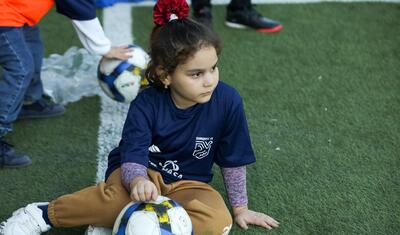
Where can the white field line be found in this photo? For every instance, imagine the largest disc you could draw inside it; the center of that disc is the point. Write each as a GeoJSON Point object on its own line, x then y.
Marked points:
{"type": "Point", "coordinates": [117, 24]}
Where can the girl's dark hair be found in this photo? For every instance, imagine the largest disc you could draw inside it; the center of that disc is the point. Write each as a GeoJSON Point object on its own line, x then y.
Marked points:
{"type": "Point", "coordinates": [173, 43]}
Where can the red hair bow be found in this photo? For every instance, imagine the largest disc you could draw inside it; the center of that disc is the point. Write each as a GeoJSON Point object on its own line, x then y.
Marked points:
{"type": "Point", "coordinates": [165, 8]}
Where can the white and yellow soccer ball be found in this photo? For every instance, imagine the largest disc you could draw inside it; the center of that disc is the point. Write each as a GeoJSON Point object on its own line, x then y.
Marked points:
{"type": "Point", "coordinates": [161, 217]}
{"type": "Point", "coordinates": [122, 80]}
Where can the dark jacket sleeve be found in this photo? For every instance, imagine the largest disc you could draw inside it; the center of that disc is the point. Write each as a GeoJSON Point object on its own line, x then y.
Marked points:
{"type": "Point", "coordinates": [77, 9]}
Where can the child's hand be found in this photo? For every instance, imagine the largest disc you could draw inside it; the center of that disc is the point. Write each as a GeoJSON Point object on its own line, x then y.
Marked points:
{"type": "Point", "coordinates": [120, 53]}
{"type": "Point", "coordinates": [143, 189]}
{"type": "Point", "coordinates": [244, 216]}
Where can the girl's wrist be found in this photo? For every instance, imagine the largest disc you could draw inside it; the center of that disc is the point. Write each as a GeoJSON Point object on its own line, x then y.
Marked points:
{"type": "Point", "coordinates": [135, 180]}
{"type": "Point", "coordinates": [129, 171]}
{"type": "Point", "coordinates": [238, 209]}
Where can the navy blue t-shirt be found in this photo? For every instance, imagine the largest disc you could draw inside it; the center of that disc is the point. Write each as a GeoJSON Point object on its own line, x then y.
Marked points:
{"type": "Point", "coordinates": [184, 144]}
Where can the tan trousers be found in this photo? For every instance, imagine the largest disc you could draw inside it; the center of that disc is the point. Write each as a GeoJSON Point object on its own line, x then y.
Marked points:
{"type": "Point", "coordinates": [100, 205]}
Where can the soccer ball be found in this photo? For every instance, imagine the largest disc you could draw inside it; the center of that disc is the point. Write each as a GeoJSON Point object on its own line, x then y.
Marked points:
{"type": "Point", "coordinates": [122, 80]}
{"type": "Point", "coordinates": [163, 216]}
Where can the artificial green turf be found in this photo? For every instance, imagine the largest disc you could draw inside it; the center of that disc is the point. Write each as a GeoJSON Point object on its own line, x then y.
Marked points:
{"type": "Point", "coordinates": [323, 106]}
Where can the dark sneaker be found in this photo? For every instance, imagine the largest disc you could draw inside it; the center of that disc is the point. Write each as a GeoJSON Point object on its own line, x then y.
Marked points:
{"type": "Point", "coordinates": [9, 158]}
{"type": "Point", "coordinates": [43, 108]}
{"type": "Point", "coordinates": [251, 18]}
{"type": "Point", "coordinates": [204, 16]}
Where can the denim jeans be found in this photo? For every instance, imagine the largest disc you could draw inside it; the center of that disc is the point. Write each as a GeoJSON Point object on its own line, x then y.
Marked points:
{"type": "Point", "coordinates": [21, 55]}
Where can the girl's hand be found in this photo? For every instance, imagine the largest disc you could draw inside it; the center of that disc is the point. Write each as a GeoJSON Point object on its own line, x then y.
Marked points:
{"type": "Point", "coordinates": [244, 216]}
{"type": "Point", "coordinates": [143, 190]}
{"type": "Point", "coordinates": [120, 53]}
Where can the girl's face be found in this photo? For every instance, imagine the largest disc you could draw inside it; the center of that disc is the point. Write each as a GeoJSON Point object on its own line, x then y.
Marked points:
{"type": "Point", "coordinates": [194, 81]}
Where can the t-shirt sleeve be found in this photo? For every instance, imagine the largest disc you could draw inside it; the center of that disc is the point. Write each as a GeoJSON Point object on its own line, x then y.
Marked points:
{"type": "Point", "coordinates": [136, 134]}
{"type": "Point", "coordinates": [234, 148]}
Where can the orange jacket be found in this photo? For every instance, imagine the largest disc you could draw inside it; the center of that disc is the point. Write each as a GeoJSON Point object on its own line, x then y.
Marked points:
{"type": "Point", "coordinates": [16, 13]}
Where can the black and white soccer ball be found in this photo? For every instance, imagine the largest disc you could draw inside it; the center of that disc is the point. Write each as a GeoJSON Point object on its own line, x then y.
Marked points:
{"type": "Point", "coordinates": [122, 80]}
{"type": "Point", "coordinates": [163, 216]}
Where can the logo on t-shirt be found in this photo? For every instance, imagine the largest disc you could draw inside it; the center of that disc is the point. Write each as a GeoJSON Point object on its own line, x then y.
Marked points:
{"type": "Point", "coordinates": [171, 167]}
{"type": "Point", "coordinates": [154, 149]}
{"type": "Point", "coordinates": [202, 147]}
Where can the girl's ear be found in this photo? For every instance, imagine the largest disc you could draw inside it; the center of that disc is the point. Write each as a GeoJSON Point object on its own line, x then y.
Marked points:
{"type": "Point", "coordinates": [163, 75]}
{"type": "Point", "coordinates": [166, 80]}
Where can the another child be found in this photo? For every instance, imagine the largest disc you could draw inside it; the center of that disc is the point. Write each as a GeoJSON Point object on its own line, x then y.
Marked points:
{"type": "Point", "coordinates": [174, 132]}
{"type": "Point", "coordinates": [21, 54]}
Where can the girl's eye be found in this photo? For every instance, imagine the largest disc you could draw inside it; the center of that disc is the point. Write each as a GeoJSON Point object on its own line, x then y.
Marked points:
{"type": "Point", "coordinates": [195, 75]}
{"type": "Point", "coordinates": [214, 68]}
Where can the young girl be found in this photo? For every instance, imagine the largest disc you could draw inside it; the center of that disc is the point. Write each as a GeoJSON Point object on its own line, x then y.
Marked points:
{"type": "Point", "coordinates": [174, 132]}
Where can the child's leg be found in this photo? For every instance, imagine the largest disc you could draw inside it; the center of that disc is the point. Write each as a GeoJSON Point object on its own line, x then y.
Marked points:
{"type": "Point", "coordinates": [205, 206]}
{"type": "Point", "coordinates": [98, 205]}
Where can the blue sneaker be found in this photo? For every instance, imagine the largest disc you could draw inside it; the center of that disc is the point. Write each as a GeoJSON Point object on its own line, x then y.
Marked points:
{"type": "Point", "coordinates": [43, 108]}
{"type": "Point", "coordinates": [9, 158]}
